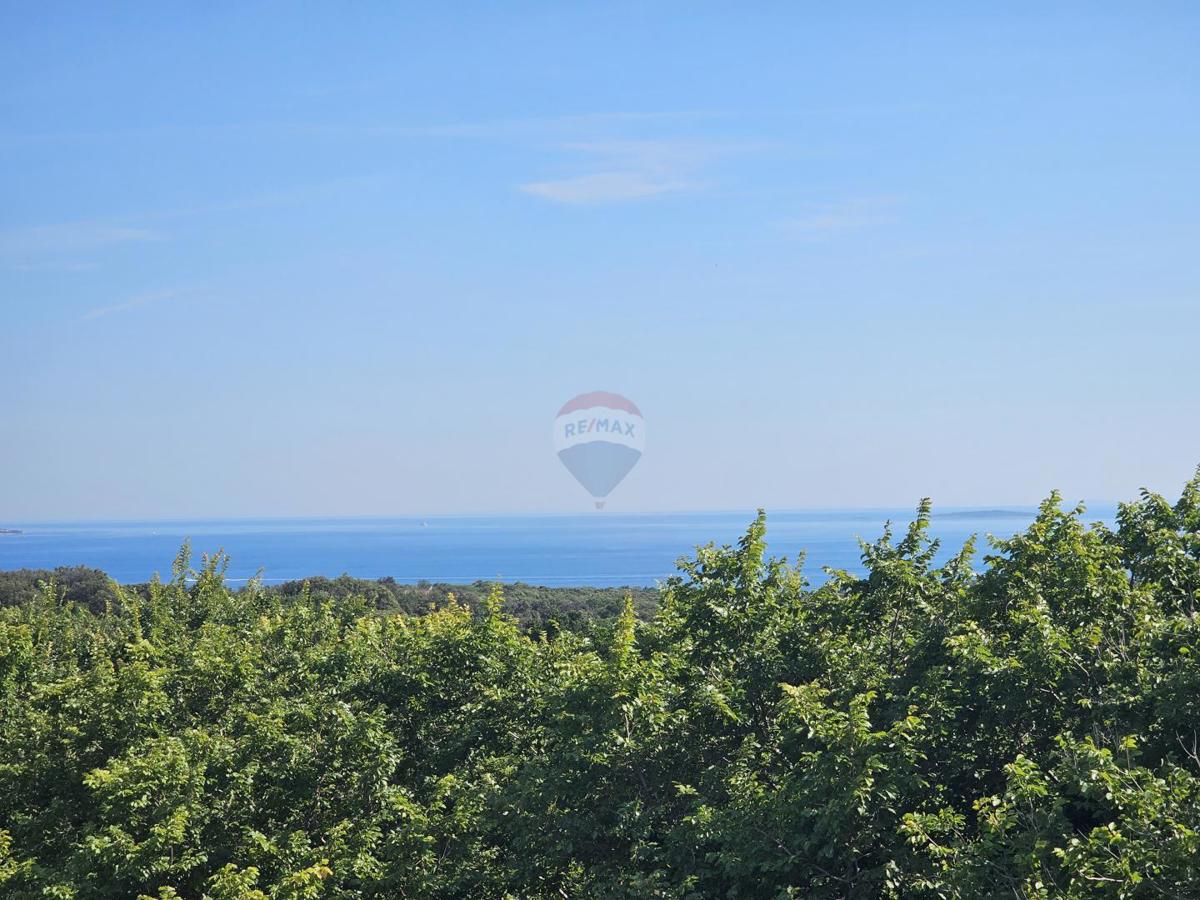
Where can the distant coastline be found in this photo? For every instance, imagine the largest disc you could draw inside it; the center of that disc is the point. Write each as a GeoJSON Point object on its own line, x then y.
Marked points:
{"type": "Point", "coordinates": [11, 531]}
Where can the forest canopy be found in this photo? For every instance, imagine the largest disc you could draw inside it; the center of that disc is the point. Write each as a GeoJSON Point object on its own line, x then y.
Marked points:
{"type": "Point", "coordinates": [532, 606]}
{"type": "Point", "coordinates": [1022, 725]}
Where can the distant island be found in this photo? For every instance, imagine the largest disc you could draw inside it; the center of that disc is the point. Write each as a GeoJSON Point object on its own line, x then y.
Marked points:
{"type": "Point", "coordinates": [10, 531]}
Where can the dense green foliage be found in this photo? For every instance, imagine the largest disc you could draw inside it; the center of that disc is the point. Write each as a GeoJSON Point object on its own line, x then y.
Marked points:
{"type": "Point", "coordinates": [1028, 730]}
{"type": "Point", "coordinates": [532, 606]}
{"type": "Point", "coordinates": [89, 588]}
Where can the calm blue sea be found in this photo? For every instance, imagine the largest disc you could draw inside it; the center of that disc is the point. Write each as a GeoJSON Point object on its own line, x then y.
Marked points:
{"type": "Point", "coordinates": [600, 549]}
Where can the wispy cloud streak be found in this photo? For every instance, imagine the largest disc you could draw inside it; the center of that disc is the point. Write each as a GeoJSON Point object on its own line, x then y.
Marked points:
{"type": "Point", "coordinates": [70, 237]}
{"type": "Point", "coordinates": [624, 170]}
{"type": "Point", "coordinates": [604, 187]}
{"type": "Point", "coordinates": [824, 220]}
{"type": "Point", "coordinates": [132, 303]}
{"type": "Point", "coordinates": [486, 129]}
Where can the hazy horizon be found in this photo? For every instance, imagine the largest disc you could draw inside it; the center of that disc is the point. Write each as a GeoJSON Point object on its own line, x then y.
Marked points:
{"type": "Point", "coordinates": [939, 510]}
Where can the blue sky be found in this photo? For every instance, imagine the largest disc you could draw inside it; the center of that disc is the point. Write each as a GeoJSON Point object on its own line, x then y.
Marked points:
{"type": "Point", "coordinates": [258, 260]}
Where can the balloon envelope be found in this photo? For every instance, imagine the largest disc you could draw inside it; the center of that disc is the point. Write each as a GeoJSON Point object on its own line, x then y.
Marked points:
{"type": "Point", "coordinates": [599, 438]}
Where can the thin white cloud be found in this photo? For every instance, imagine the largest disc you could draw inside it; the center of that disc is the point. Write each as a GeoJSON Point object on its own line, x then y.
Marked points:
{"type": "Point", "coordinates": [824, 220]}
{"type": "Point", "coordinates": [50, 248]}
{"type": "Point", "coordinates": [540, 127]}
{"type": "Point", "coordinates": [499, 129]}
{"type": "Point", "coordinates": [625, 170]}
{"type": "Point", "coordinates": [132, 303]}
{"type": "Point", "coordinates": [603, 187]}
{"type": "Point", "coordinates": [68, 265]}
{"type": "Point", "coordinates": [70, 237]}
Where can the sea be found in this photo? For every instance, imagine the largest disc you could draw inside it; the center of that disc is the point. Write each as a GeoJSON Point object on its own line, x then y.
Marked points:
{"type": "Point", "coordinates": [600, 549]}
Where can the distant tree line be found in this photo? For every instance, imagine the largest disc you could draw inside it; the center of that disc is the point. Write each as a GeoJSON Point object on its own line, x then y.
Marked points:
{"type": "Point", "coordinates": [1029, 728]}
{"type": "Point", "coordinates": [88, 588]}
{"type": "Point", "coordinates": [532, 606]}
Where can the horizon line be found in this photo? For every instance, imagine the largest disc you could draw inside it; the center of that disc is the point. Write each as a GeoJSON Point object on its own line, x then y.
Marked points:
{"type": "Point", "coordinates": [548, 514]}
